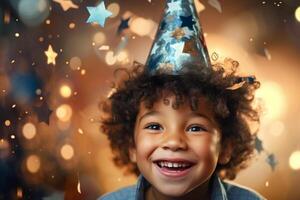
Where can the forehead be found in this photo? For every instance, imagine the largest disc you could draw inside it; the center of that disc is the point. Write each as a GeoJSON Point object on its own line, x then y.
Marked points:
{"type": "Point", "coordinates": [168, 100]}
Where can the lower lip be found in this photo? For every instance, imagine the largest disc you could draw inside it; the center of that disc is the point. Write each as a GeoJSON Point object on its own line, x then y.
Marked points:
{"type": "Point", "coordinates": [172, 173]}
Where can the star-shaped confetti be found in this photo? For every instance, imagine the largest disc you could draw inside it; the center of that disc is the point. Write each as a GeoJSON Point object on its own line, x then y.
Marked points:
{"type": "Point", "coordinates": [51, 55]}
{"type": "Point", "coordinates": [123, 25]}
{"type": "Point", "coordinates": [272, 161]}
{"type": "Point", "coordinates": [98, 14]}
{"type": "Point", "coordinates": [43, 113]}
{"type": "Point", "coordinates": [66, 4]}
{"type": "Point", "coordinates": [174, 6]}
{"type": "Point", "coordinates": [258, 145]}
{"type": "Point", "coordinates": [187, 21]}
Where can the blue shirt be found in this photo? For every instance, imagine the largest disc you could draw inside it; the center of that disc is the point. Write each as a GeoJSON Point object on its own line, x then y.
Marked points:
{"type": "Point", "coordinates": [220, 191]}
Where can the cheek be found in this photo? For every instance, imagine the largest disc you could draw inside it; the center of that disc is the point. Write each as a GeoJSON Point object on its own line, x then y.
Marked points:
{"type": "Point", "coordinates": [145, 145]}
{"type": "Point", "coordinates": [206, 148]}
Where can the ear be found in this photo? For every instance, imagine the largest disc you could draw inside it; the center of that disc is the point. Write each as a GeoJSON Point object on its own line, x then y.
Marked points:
{"type": "Point", "coordinates": [225, 153]}
{"type": "Point", "coordinates": [132, 154]}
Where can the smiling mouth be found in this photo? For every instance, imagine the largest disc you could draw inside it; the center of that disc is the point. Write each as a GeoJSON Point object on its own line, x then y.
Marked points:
{"type": "Point", "coordinates": [174, 166]}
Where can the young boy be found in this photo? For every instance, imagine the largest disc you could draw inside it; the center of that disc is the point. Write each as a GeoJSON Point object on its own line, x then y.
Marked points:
{"type": "Point", "coordinates": [177, 123]}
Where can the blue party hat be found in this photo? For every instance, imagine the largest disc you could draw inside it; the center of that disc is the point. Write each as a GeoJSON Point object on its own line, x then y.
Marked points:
{"type": "Point", "coordinates": [179, 42]}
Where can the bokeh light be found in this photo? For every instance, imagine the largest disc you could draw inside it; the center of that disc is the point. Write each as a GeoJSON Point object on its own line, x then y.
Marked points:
{"type": "Point", "coordinates": [114, 8]}
{"type": "Point", "coordinates": [295, 160]}
{"type": "Point", "coordinates": [274, 99]}
{"type": "Point", "coordinates": [297, 14]}
{"type": "Point", "coordinates": [142, 26]}
{"type": "Point", "coordinates": [29, 131]}
{"type": "Point", "coordinates": [72, 25]}
{"type": "Point", "coordinates": [33, 12]}
{"type": "Point", "coordinates": [64, 112]}
{"type": "Point", "coordinates": [7, 123]}
{"type": "Point", "coordinates": [33, 163]}
{"type": "Point", "coordinates": [122, 56]}
{"type": "Point", "coordinates": [67, 152]}
{"type": "Point", "coordinates": [75, 63]}
{"type": "Point", "coordinates": [110, 59]}
{"type": "Point", "coordinates": [65, 91]}
{"type": "Point", "coordinates": [99, 38]}
{"type": "Point", "coordinates": [276, 128]}
{"type": "Point", "coordinates": [4, 148]}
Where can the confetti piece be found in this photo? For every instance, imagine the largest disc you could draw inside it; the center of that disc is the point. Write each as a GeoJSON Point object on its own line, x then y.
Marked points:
{"type": "Point", "coordinates": [104, 47]}
{"type": "Point", "coordinates": [43, 112]}
{"type": "Point", "coordinates": [19, 193]}
{"type": "Point", "coordinates": [123, 25]}
{"type": "Point", "coordinates": [214, 56]}
{"type": "Point", "coordinates": [267, 54]}
{"type": "Point", "coordinates": [98, 14]}
{"type": "Point", "coordinates": [78, 187]}
{"type": "Point", "coordinates": [271, 160]}
{"type": "Point", "coordinates": [216, 4]}
{"type": "Point", "coordinates": [51, 55]}
{"type": "Point", "coordinates": [66, 4]}
{"type": "Point", "coordinates": [6, 17]}
{"type": "Point", "coordinates": [267, 184]}
{"type": "Point", "coordinates": [258, 145]}
{"type": "Point", "coordinates": [80, 131]}
{"type": "Point", "coordinates": [12, 136]}
{"type": "Point", "coordinates": [199, 6]}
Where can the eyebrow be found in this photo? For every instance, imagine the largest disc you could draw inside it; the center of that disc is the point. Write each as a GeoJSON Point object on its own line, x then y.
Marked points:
{"type": "Point", "coordinates": [151, 113]}
{"type": "Point", "coordinates": [193, 114]}
{"type": "Point", "coordinates": [197, 114]}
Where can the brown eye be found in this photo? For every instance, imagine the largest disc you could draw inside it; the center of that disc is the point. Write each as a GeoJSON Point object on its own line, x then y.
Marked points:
{"type": "Point", "coordinates": [196, 128]}
{"type": "Point", "coordinates": [154, 127]}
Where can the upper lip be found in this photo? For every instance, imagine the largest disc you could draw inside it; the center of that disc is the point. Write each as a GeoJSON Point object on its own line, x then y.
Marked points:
{"type": "Point", "coordinates": [178, 160]}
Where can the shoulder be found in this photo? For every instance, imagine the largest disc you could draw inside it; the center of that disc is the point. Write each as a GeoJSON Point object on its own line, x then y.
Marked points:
{"type": "Point", "coordinates": [236, 191]}
{"type": "Point", "coordinates": [121, 194]}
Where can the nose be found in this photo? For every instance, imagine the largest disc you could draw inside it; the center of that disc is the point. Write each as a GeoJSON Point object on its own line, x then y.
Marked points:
{"type": "Point", "coordinates": [175, 141]}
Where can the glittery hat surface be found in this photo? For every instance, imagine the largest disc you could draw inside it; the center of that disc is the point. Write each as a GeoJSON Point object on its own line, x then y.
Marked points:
{"type": "Point", "coordinates": [179, 41]}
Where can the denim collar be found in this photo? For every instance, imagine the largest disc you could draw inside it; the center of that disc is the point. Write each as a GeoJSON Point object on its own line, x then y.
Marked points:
{"type": "Point", "coordinates": [218, 190]}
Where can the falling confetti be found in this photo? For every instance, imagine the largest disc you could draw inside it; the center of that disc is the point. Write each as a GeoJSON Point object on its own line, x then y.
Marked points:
{"type": "Point", "coordinates": [78, 187]}
{"type": "Point", "coordinates": [271, 160]}
{"type": "Point", "coordinates": [98, 14]}
{"type": "Point", "coordinates": [51, 55]}
{"type": "Point", "coordinates": [104, 47]}
{"type": "Point", "coordinates": [123, 25]}
{"type": "Point", "coordinates": [258, 145]}
{"type": "Point", "coordinates": [43, 112]}
{"type": "Point", "coordinates": [66, 4]}
{"type": "Point", "coordinates": [216, 4]}
{"type": "Point", "coordinates": [267, 54]}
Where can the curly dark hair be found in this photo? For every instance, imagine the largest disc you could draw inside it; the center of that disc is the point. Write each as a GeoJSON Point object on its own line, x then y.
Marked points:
{"type": "Point", "coordinates": [233, 110]}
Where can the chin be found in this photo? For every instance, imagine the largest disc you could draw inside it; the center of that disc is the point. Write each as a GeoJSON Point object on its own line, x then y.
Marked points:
{"type": "Point", "coordinates": [173, 190]}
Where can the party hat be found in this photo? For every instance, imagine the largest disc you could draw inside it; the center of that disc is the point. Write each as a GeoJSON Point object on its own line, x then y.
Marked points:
{"type": "Point", "coordinates": [179, 42]}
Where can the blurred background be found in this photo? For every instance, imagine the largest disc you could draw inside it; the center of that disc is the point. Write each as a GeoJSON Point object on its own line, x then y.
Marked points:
{"type": "Point", "coordinates": [55, 68]}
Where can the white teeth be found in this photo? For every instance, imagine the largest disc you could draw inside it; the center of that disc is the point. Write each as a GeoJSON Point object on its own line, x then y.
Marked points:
{"type": "Point", "coordinates": [171, 165]}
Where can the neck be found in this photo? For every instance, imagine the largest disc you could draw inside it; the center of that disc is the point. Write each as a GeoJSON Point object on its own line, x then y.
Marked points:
{"type": "Point", "coordinates": [202, 191]}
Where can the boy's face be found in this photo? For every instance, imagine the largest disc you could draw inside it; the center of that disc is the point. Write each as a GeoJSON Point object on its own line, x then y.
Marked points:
{"type": "Point", "coordinates": [176, 137]}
